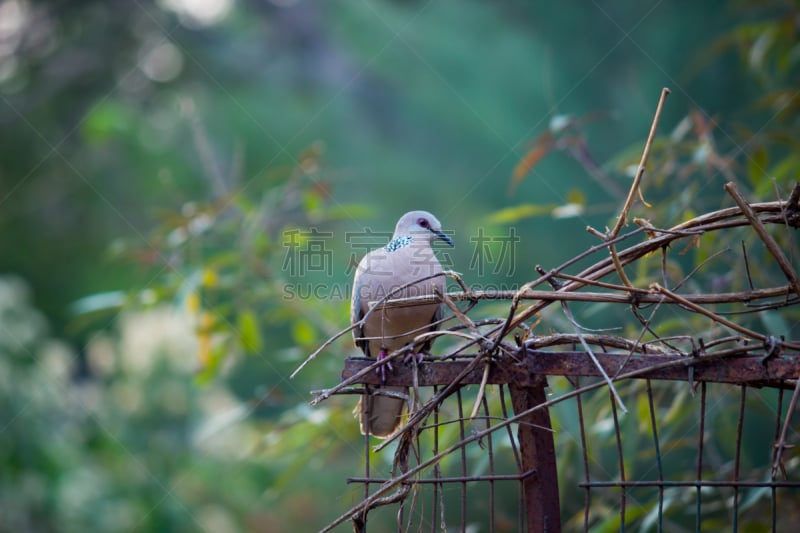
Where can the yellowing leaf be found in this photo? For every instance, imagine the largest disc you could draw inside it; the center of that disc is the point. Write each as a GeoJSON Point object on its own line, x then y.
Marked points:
{"type": "Point", "coordinates": [204, 345]}
{"type": "Point", "coordinates": [513, 214]}
{"type": "Point", "coordinates": [210, 277]}
{"type": "Point", "coordinates": [576, 196]}
{"type": "Point", "coordinates": [192, 302]}
{"type": "Point", "coordinates": [540, 148]}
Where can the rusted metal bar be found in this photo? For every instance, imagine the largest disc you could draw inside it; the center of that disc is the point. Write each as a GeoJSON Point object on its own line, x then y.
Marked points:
{"type": "Point", "coordinates": [749, 369]}
{"type": "Point", "coordinates": [657, 449]}
{"type": "Point", "coordinates": [623, 494]}
{"type": "Point", "coordinates": [698, 483]}
{"type": "Point", "coordinates": [698, 514]}
{"type": "Point", "coordinates": [490, 449]}
{"type": "Point", "coordinates": [451, 479]}
{"type": "Point", "coordinates": [517, 458]}
{"type": "Point", "coordinates": [737, 459]}
{"type": "Point", "coordinates": [542, 506]}
{"type": "Point", "coordinates": [463, 451]}
{"type": "Point", "coordinates": [587, 497]}
{"type": "Point", "coordinates": [437, 473]}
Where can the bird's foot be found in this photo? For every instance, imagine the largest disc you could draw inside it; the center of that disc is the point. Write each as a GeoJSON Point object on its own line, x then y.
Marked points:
{"type": "Point", "coordinates": [381, 370]}
{"type": "Point", "coordinates": [412, 356]}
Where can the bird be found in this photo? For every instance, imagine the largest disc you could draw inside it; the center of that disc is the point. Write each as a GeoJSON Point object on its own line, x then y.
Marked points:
{"type": "Point", "coordinates": [407, 257]}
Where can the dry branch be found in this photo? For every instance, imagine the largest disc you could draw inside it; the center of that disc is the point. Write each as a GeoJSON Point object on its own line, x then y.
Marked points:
{"type": "Point", "coordinates": [762, 232]}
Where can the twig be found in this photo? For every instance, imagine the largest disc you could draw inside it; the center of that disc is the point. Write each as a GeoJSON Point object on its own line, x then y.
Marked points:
{"type": "Point", "coordinates": [645, 329]}
{"type": "Point", "coordinates": [716, 220]}
{"type": "Point", "coordinates": [423, 412]}
{"type": "Point", "coordinates": [781, 444]}
{"type": "Point", "coordinates": [696, 269]}
{"type": "Point", "coordinates": [471, 325]}
{"type": "Point", "coordinates": [457, 312]}
{"type": "Point", "coordinates": [793, 203]}
{"type": "Point", "coordinates": [747, 266]}
{"type": "Point", "coordinates": [327, 393]}
{"type": "Point", "coordinates": [589, 351]}
{"type": "Point", "coordinates": [623, 277]}
{"type": "Point", "coordinates": [633, 191]}
{"type": "Point", "coordinates": [623, 216]}
{"type": "Point", "coordinates": [481, 389]}
{"type": "Point", "coordinates": [716, 318]}
{"type": "Point", "coordinates": [770, 243]}
{"type": "Point", "coordinates": [568, 339]}
{"type": "Point", "coordinates": [327, 343]}
{"type": "Point", "coordinates": [639, 296]}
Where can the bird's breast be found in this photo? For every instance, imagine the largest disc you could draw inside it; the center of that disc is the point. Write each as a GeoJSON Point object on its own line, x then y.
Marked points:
{"type": "Point", "coordinates": [403, 273]}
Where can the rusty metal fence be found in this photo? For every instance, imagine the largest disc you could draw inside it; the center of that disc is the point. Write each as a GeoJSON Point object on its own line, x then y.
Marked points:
{"type": "Point", "coordinates": [449, 473]}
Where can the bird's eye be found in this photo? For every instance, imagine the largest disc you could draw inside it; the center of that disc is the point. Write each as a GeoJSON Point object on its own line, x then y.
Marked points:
{"type": "Point", "coordinates": [423, 222]}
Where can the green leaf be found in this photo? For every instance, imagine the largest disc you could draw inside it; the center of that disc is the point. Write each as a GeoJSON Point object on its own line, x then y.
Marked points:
{"type": "Point", "coordinates": [757, 165]}
{"type": "Point", "coordinates": [105, 120]}
{"type": "Point", "coordinates": [787, 168]}
{"type": "Point", "coordinates": [209, 371]}
{"type": "Point", "coordinates": [303, 333]}
{"type": "Point", "coordinates": [249, 334]}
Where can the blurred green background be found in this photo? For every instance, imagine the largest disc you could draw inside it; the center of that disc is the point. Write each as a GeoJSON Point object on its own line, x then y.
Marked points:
{"type": "Point", "coordinates": [164, 163]}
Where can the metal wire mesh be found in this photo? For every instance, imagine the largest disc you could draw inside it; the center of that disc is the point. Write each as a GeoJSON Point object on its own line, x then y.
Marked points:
{"type": "Point", "coordinates": [458, 471]}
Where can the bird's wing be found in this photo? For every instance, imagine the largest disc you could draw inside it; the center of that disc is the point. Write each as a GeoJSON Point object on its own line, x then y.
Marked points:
{"type": "Point", "coordinates": [356, 314]}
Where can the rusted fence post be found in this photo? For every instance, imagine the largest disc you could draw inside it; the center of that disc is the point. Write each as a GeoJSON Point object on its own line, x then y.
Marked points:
{"type": "Point", "coordinates": [540, 488]}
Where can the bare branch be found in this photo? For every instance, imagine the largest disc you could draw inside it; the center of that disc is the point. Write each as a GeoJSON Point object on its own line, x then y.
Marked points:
{"type": "Point", "coordinates": [623, 216]}
{"type": "Point", "coordinates": [762, 232]}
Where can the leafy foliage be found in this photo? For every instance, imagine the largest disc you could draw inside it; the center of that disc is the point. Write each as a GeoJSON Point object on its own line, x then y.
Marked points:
{"type": "Point", "coordinates": [160, 164]}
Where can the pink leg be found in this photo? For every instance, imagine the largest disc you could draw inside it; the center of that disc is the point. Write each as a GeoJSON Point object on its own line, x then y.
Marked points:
{"type": "Point", "coordinates": [418, 356]}
{"type": "Point", "coordinates": [381, 370]}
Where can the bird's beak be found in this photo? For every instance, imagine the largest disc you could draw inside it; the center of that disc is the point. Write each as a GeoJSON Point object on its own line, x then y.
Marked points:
{"type": "Point", "coordinates": [446, 238]}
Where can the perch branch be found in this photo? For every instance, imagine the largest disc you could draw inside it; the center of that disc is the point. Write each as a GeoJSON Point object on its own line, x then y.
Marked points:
{"type": "Point", "coordinates": [640, 295]}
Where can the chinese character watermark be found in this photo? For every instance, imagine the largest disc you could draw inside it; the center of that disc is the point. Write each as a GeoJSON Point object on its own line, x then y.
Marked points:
{"type": "Point", "coordinates": [361, 242]}
{"type": "Point", "coordinates": [307, 252]}
{"type": "Point", "coordinates": [486, 253]}
{"type": "Point", "coordinates": [311, 250]}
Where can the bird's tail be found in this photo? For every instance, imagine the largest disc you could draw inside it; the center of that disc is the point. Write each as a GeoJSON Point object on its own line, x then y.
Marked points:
{"type": "Point", "coordinates": [384, 413]}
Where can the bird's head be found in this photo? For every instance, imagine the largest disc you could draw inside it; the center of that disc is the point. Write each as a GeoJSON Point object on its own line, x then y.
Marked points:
{"type": "Point", "coordinates": [421, 224]}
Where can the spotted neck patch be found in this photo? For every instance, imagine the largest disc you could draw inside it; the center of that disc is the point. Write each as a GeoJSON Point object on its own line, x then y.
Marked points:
{"type": "Point", "coordinates": [398, 242]}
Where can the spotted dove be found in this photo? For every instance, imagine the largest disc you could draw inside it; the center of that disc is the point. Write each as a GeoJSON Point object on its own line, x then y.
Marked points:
{"type": "Point", "coordinates": [407, 257]}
